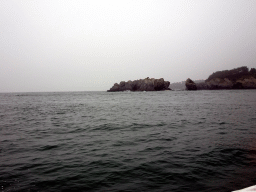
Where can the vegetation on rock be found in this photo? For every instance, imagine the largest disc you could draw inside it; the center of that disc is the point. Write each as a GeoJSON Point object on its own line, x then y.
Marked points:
{"type": "Point", "coordinates": [238, 78]}
{"type": "Point", "coordinates": [234, 74]}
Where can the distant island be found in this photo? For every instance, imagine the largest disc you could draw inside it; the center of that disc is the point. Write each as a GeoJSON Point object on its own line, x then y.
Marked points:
{"type": "Point", "coordinates": [238, 78]}
{"type": "Point", "coordinates": [147, 84]}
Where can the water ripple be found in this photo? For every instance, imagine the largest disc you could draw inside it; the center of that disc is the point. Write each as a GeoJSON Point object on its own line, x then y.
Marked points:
{"type": "Point", "coordinates": [154, 141]}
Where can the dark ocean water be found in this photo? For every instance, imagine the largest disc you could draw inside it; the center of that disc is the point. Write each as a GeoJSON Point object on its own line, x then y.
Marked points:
{"type": "Point", "coordinates": [128, 141]}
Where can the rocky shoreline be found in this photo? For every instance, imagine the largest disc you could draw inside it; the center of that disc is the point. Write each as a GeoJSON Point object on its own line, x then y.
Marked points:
{"type": "Point", "coordinates": [239, 78]}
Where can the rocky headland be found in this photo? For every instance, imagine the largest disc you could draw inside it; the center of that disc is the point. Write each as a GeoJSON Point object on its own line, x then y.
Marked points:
{"type": "Point", "coordinates": [238, 78]}
{"type": "Point", "coordinates": [147, 84]}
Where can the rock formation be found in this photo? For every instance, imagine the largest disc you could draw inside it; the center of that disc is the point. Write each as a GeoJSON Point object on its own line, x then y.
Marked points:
{"type": "Point", "coordinates": [239, 78]}
{"type": "Point", "coordinates": [190, 85]}
{"type": "Point", "coordinates": [147, 84]}
{"type": "Point", "coordinates": [181, 85]}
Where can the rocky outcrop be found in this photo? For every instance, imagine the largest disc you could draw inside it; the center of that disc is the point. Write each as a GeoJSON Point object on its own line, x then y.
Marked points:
{"type": "Point", "coordinates": [247, 83]}
{"type": "Point", "coordinates": [190, 85]}
{"type": "Point", "coordinates": [181, 85]}
{"type": "Point", "coordinates": [147, 84]}
{"type": "Point", "coordinates": [217, 83]}
{"type": "Point", "coordinates": [233, 74]}
{"type": "Point", "coordinates": [239, 78]}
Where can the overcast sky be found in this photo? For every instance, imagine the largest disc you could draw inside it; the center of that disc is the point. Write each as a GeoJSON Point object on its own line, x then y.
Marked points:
{"type": "Point", "coordinates": [80, 45]}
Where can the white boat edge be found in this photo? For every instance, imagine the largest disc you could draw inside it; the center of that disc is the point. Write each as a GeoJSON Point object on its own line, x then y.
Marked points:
{"type": "Point", "coordinates": [248, 189]}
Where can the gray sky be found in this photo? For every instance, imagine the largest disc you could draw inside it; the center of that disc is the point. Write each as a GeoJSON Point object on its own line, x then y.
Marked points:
{"type": "Point", "coordinates": [79, 45]}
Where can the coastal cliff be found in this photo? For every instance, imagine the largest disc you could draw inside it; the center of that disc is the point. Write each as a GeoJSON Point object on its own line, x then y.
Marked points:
{"type": "Point", "coordinates": [147, 84]}
{"type": "Point", "coordinates": [239, 78]}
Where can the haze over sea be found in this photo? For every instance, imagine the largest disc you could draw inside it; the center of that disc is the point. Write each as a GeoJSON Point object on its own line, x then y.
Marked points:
{"type": "Point", "coordinates": [128, 141]}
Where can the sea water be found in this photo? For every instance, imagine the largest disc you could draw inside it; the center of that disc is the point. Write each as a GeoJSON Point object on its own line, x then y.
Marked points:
{"type": "Point", "coordinates": [128, 141]}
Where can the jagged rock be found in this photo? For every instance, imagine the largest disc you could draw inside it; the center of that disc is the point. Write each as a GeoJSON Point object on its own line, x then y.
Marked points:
{"type": "Point", "coordinates": [190, 85]}
{"type": "Point", "coordinates": [219, 83]}
{"type": "Point", "coordinates": [239, 78]}
{"type": "Point", "coordinates": [115, 87]}
{"type": "Point", "coordinates": [147, 84]}
{"type": "Point", "coordinates": [248, 83]}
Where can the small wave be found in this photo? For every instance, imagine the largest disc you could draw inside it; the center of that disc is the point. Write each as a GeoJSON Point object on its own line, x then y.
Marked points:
{"type": "Point", "coordinates": [48, 147]}
{"type": "Point", "coordinates": [124, 143]}
{"type": "Point", "coordinates": [222, 133]}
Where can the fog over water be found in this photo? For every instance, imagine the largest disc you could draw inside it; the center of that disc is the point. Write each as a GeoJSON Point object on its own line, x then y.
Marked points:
{"type": "Point", "coordinates": [90, 45]}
